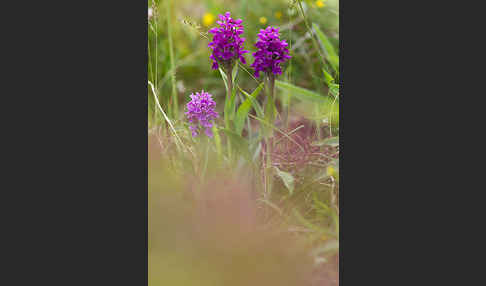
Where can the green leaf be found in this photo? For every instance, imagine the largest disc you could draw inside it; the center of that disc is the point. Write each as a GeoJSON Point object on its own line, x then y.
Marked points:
{"type": "Point", "coordinates": [225, 78]}
{"type": "Point", "coordinates": [229, 110]}
{"type": "Point", "coordinates": [234, 72]}
{"type": "Point", "coordinates": [287, 179]}
{"type": "Point", "coordinates": [245, 108]}
{"type": "Point", "coordinates": [327, 77]}
{"type": "Point", "coordinates": [226, 101]}
{"type": "Point", "coordinates": [329, 51]}
{"type": "Point", "coordinates": [301, 93]}
{"type": "Point", "coordinates": [334, 89]}
{"type": "Point", "coordinates": [254, 102]}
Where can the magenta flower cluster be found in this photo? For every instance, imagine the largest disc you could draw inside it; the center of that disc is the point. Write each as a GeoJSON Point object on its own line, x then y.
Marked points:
{"type": "Point", "coordinates": [200, 113]}
{"type": "Point", "coordinates": [271, 52]}
{"type": "Point", "coordinates": [227, 45]}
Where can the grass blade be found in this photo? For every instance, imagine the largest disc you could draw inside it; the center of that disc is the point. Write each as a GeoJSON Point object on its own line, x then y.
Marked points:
{"type": "Point", "coordinates": [327, 77]}
{"type": "Point", "coordinates": [278, 130]}
{"type": "Point", "coordinates": [271, 205]}
{"type": "Point", "coordinates": [254, 103]}
{"type": "Point", "coordinates": [225, 78]}
{"type": "Point", "coordinates": [287, 179]}
{"type": "Point", "coordinates": [244, 108]}
{"type": "Point", "coordinates": [172, 57]}
{"type": "Point", "coordinates": [178, 140]}
{"type": "Point", "coordinates": [329, 51]}
{"type": "Point", "coordinates": [301, 93]}
{"type": "Point", "coordinates": [332, 141]}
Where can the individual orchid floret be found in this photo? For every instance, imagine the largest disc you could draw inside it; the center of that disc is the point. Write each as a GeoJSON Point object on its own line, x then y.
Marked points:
{"type": "Point", "coordinates": [271, 52]}
{"type": "Point", "coordinates": [200, 113]}
{"type": "Point", "coordinates": [227, 45]}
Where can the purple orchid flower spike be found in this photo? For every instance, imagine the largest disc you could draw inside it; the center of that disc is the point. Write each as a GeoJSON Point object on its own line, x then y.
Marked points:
{"type": "Point", "coordinates": [227, 45]}
{"type": "Point", "coordinates": [200, 113]}
{"type": "Point", "coordinates": [271, 52]}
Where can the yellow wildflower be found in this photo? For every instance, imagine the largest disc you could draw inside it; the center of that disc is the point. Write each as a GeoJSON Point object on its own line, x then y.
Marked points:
{"type": "Point", "coordinates": [278, 15]}
{"type": "Point", "coordinates": [320, 3]}
{"type": "Point", "coordinates": [263, 20]}
{"type": "Point", "coordinates": [330, 171]}
{"type": "Point", "coordinates": [208, 19]}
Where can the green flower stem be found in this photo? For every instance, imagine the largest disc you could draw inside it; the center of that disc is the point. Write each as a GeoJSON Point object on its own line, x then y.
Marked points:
{"type": "Point", "coordinates": [229, 91]}
{"type": "Point", "coordinates": [270, 116]}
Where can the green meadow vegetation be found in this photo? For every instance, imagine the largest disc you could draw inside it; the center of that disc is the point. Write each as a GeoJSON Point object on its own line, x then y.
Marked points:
{"type": "Point", "coordinates": [257, 201]}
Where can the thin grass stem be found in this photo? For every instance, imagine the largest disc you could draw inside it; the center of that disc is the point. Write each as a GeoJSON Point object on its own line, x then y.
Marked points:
{"type": "Point", "coordinates": [174, 110]}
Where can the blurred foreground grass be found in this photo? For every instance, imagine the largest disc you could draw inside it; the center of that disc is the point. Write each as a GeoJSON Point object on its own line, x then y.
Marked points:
{"type": "Point", "coordinates": [214, 232]}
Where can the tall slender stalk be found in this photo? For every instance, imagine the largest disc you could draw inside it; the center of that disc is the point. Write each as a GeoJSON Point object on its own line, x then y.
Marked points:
{"type": "Point", "coordinates": [270, 115]}
{"type": "Point", "coordinates": [175, 107]}
{"type": "Point", "coordinates": [289, 73]}
{"type": "Point", "coordinates": [316, 45]}
{"type": "Point", "coordinates": [230, 84]}
{"type": "Point", "coordinates": [309, 30]}
{"type": "Point", "coordinates": [155, 76]}
{"type": "Point", "coordinates": [271, 86]}
{"type": "Point", "coordinates": [151, 73]}
{"type": "Point", "coordinates": [229, 91]}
